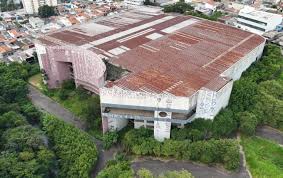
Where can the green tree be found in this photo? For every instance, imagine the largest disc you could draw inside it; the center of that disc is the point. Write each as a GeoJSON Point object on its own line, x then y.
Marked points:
{"type": "Point", "coordinates": [224, 124]}
{"type": "Point", "coordinates": [269, 110]}
{"type": "Point", "coordinates": [92, 112]}
{"type": "Point", "coordinates": [11, 120]}
{"type": "Point", "coordinates": [243, 95]}
{"type": "Point", "coordinates": [248, 122]}
{"type": "Point", "coordinates": [23, 138]}
{"type": "Point", "coordinates": [31, 113]}
{"type": "Point", "coordinates": [46, 11]}
{"type": "Point", "coordinates": [75, 149]}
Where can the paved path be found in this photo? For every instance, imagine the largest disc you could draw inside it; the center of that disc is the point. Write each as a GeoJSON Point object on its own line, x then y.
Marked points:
{"type": "Point", "coordinates": [270, 133]}
{"type": "Point", "coordinates": [157, 166]}
{"type": "Point", "coordinates": [48, 105]}
{"type": "Point", "coordinates": [198, 170]}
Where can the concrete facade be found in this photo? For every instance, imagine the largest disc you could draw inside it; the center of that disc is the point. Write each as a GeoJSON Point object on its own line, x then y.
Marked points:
{"type": "Point", "coordinates": [88, 68]}
{"type": "Point", "coordinates": [31, 6]}
{"type": "Point", "coordinates": [256, 21]}
{"type": "Point", "coordinates": [168, 70]}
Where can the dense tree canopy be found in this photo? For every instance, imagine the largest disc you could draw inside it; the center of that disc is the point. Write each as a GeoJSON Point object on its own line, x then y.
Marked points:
{"type": "Point", "coordinates": [257, 97]}
{"type": "Point", "coordinates": [46, 11]}
{"type": "Point", "coordinates": [8, 5]}
{"type": "Point", "coordinates": [24, 149]}
{"type": "Point", "coordinates": [75, 149]}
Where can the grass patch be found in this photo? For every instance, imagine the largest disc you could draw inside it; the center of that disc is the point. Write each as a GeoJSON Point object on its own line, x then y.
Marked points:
{"type": "Point", "coordinates": [36, 81]}
{"type": "Point", "coordinates": [264, 158]}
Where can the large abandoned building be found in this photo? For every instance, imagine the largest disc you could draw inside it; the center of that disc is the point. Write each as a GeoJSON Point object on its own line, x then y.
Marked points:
{"type": "Point", "coordinates": [154, 69]}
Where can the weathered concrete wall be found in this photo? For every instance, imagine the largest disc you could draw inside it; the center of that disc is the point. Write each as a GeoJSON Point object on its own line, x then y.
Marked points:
{"type": "Point", "coordinates": [211, 102]}
{"type": "Point", "coordinates": [116, 124]}
{"type": "Point", "coordinates": [119, 96]}
{"type": "Point", "coordinates": [88, 68]}
{"type": "Point", "coordinates": [235, 71]}
{"type": "Point", "coordinates": [162, 129]}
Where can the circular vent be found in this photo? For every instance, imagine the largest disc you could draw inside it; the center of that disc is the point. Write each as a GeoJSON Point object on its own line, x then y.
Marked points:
{"type": "Point", "coordinates": [162, 114]}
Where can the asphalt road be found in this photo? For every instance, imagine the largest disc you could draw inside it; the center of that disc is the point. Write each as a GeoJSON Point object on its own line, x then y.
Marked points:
{"type": "Point", "coordinates": [270, 133]}
{"type": "Point", "coordinates": [198, 170]}
{"type": "Point", "coordinates": [48, 105]}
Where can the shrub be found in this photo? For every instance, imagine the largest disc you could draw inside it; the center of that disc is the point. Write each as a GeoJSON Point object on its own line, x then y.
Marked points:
{"type": "Point", "coordinates": [109, 138]}
{"type": "Point", "coordinates": [82, 93]}
{"type": "Point", "coordinates": [63, 94]}
{"type": "Point", "coordinates": [11, 120]}
{"type": "Point", "coordinates": [144, 173]}
{"type": "Point", "coordinates": [243, 95]}
{"type": "Point", "coordinates": [68, 85]}
{"type": "Point", "coordinates": [23, 138]}
{"type": "Point", "coordinates": [117, 169]}
{"type": "Point", "coordinates": [31, 113]}
{"type": "Point", "coordinates": [92, 112]}
{"type": "Point", "coordinates": [248, 122]}
{"type": "Point", "coordinates": [75, 149]}
{"type": "Point", "coordinates": [224, 124]}
{"type": "Point", "coordinates": [224, 151]}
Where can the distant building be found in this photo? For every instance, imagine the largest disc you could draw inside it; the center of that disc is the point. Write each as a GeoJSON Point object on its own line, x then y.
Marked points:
{"type": "Point", "coordinates": [134, 2]}
{"type": "Point", "coordinates": [50, 27]}
{"type": "Point", "coordinates": [257, 22]}
{"type": "Point", "coordinates": [5, 51]}
{"type": "Point", "coordinates": [31, 6]}
{"type": "Point", "coordinates": [36, 22]}
{"type": "Point", "coordinates": [161, 70]}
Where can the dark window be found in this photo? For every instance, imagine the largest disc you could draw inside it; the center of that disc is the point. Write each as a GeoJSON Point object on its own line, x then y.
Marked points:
{"type": "Point", "coordinates": [251, 26]}
{"type": "Point", "coordinates": [162, 114]}
{"type": "Point", "coordinates": [252, 20]}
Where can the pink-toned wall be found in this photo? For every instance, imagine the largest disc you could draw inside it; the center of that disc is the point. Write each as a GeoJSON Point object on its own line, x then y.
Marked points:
{"type": "Point", "coordinates": [88, 68]}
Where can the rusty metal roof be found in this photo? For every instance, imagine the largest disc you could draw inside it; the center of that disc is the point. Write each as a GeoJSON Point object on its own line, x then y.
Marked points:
{"type": "Point", "coordinates": [165, 53]}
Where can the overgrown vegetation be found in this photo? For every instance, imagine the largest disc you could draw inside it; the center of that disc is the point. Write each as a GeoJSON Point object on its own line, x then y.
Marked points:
{"type": "Point", "coordinates": [9, 5]}
{"type": "Point", "coordinates": [257, 98]}
{"type": "Point", "coordinates": [75, 149]}
{"type": "Point", "coordinates": [109, 138]}
{"type": "Point", "coordinates": [264, 157]}
{"type": "Point", "coordinates": [224, 151]}
{"type": "Point", "coordinates": [223, 126]}
{"type": "Point", "coordinates": [24, 149]}
{"type": "Point", "coordinates": [185, 8]}
{"type": "Point", "coordinates": [114, 72]}
{"type": "Point", "coordinates": [79, 102]}
{"type": "Point", "coordinates": [117, 169]}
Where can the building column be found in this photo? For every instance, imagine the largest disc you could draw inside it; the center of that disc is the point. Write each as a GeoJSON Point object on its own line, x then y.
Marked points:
{"type": "Point", "coordinates": [162, 129]}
